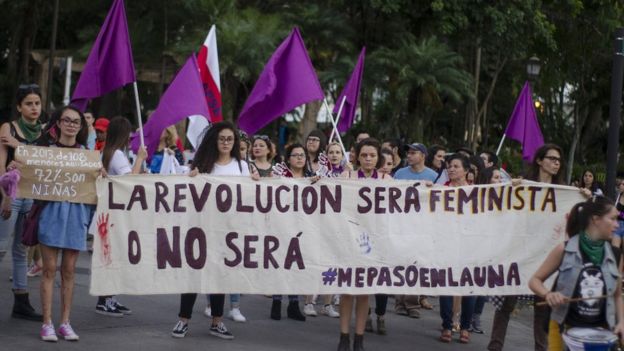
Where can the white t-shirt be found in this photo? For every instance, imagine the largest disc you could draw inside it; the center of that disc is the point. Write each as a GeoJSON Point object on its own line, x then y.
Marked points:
{"type": "Point", "coordinates": [231, 169]}
{"type": "Point", "coordinates": [119, 164]}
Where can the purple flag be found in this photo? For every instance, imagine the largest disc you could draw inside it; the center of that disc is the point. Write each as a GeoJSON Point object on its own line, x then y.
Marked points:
{"type": "Point", "coordinates": [110, 65]}
{"type": "Point", "coordinates": [523, 125]}
{"type": "Point", "coordinates": [287, 81]}
{"type": "Point", "coordinates": [184, 97]}
{"type": "Point", "coordinates": [351, 92]}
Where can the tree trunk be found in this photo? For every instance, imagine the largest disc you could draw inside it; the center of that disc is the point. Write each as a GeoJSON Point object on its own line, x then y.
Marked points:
{"type": "Point", "coordinates": [308, 122]}
{"type": "Point", "coordinates": [579, 121]}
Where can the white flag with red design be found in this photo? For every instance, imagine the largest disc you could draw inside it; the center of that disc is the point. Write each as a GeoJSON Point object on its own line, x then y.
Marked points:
{"type": "Point", "coordinates": [208, 63]}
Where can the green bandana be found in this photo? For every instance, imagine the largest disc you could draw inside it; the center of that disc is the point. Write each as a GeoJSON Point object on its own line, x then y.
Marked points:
{"type": "Point", "coordinates": [593, 249]}
{"type": "Point", "coordinates": [31, 131]}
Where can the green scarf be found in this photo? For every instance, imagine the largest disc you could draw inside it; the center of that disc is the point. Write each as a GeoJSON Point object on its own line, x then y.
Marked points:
{"type": "Point", "coordinates": [31, 131]}
{"type": "Point", "coordinates": [593, 249]}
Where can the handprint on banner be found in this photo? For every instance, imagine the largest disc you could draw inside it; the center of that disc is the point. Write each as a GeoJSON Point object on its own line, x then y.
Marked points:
{"type": "Point", "coordinates": [282, 170]}
{"type": "Point", "coordinates": [365, 244]}
{"type": "Point", "coordinates": [103, 230]}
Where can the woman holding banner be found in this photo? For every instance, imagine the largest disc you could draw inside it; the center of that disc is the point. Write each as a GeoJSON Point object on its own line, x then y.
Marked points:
{"type": "Point", "coordinates": [62, 228]}
{"type": "Point", "coordinates": [587, 291]}
{"type": "Point", "coordinates": [25, 130]}
{"type": "Point", "coordinates": [295, 167]}
{"type": "Point", "coordinates": [262, 155]}
{"type": "Point", "coordinates": [458, 167]}
{"type": "Point", "coordinates": [115, 162]}
{"type": "Point", "coordinates": [367, 160]}
{"type": "Point", "coordinates": [219, 155]}
{"type": "Point", "coordinates": [547, 167]}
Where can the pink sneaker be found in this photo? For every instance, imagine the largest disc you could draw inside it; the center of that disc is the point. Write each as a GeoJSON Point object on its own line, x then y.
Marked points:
{"type": "Point", "coordinates": [67, 332]}
{"type": "Point", "coordinates": [47, 333]}
{"type": "Point", "coordinates": [34, 271]}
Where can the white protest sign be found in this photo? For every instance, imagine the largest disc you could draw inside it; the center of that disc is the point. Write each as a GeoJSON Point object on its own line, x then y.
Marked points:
{"type": "Point", "coordinates": [179, 234]}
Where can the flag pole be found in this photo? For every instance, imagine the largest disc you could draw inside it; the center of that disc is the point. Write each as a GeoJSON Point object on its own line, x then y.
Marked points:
{"type": "Point", "coordinates": [500, 145]}
{"type": "Point", "coordinates": [344, 151]}
{"type": "Point", "coordinates": [334, 130]}
{"type": "Point", "coordinates": [138, 111]}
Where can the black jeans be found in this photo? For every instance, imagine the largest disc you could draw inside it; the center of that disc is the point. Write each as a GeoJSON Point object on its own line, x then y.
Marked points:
{"type": "Point", "coordinates": [187, 301]}
{"type": "Point", "coordinates": [381, 303]}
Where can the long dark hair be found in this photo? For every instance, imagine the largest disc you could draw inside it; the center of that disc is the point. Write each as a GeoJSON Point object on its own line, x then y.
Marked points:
{"type": "Point", "coordinates": [208, 151]}
{"type": "Point", "coordinates": [595, 184]}
{"type": "Point", "coordinates": [485, 176]}
{"type": "Point", "coordinates": [582, 212]}
{"type": "Point", "coordinates": [23, 91]}
{"type": "Point", "coordinates": [117, 137]}
{"type": "Point", "coordinates": [431, 152]}
{"type": "Point", "coordinates": [322, 145]}
{"type": "Point", "coordinates": [52, 130]}
{"type": "Point", "coordinates": [534, 167]}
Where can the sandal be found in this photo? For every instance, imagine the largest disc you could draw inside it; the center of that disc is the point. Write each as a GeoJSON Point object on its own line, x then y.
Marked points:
{"type": "Point", "coordinates": [446, 336]}
{"type": "Point", "coordinates": [424, 303]}
{"type": "Point", "coordinates": [464, 336]}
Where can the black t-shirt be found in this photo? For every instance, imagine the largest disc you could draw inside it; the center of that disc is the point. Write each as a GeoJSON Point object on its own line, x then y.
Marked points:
{"type": "Point", "coordinates": [589, 313]}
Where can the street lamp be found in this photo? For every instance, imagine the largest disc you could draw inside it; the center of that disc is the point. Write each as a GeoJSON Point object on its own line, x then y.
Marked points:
{"type": "Point", "coordinates": [533, 68]}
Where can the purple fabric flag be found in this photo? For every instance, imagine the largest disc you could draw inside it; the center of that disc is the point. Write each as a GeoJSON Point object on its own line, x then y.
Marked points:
{"type": "Point", "coordinates": [109, 65]}
{"type": "Point", "coordinates": [287, 81]}
{"type": "Point", "coordinates": [184, 97]}
{"type": "Point", "coordinates": [351, 92]}
{"type": "Point", "coordinates": [523, 125]}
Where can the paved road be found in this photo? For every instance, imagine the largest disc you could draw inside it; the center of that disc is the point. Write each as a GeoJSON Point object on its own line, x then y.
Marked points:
{"type": "Point", "coordinates": [154, 316]}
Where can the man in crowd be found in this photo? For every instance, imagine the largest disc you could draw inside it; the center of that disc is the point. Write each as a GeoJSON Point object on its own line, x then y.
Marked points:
{"type": "Point", "coordinates": [415, 170]}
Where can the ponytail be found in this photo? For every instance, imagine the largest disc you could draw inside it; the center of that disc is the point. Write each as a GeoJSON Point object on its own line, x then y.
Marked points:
{"type": "Point", "coordinates": [581, 214]}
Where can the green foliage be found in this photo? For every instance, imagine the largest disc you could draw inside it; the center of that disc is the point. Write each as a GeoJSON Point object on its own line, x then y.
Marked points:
{"type": "Point", "coordinates": [428, 64]}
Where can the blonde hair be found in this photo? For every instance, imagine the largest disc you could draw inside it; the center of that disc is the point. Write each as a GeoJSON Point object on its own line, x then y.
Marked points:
{"type": "Point", "coordinates": [171, 136]}
{"type": "Point", "coordinates": [334, 143]}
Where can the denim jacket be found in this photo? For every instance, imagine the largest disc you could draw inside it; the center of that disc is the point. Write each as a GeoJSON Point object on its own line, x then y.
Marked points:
{"type": "Point", "coordinates": [569, 271]}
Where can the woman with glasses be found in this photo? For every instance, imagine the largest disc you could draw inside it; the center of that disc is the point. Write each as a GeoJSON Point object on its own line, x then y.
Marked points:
{"type": "Point", "coordinates": [296, 157]}
{"type": "Point", "coordinates": [26, 130]}
{"type": "Point", "coordinates": [368, 160]}
{"type": "Point", "coordinates": [219, 155]}
{"type": "Point", "coordinates": [547, 167]}
{"type": "Point", "coordinates": [261, 155]}
{"type": "Point", "coordinates": [62, 228]}
{"type": "Point", "coordinates": [316, 142]}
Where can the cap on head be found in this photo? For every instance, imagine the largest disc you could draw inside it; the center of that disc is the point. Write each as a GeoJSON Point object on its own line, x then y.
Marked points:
{"type": "Point", "coordinates": [417, 147]}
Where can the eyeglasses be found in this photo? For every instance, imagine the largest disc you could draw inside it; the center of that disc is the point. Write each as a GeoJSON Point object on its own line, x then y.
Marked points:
{"type": "Point", "coordinates": [297, 155]}
{"type": "Point", "coordinates": [553, 159]}
{"type": "Point", "coordinates": [314, 139]}
{"type": "Point", "coordinates": [71, 122]}
{"type": "Point", "coordinates": [224, 140]}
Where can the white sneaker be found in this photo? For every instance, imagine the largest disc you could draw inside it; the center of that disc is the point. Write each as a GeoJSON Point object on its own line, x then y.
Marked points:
{"type": "Point", "coordinates": [336, 300]}
{"type": "Point", "coordinates": [329, 311]}
{"type": "Point", "coordinates": [236, 315]}
{"type": "Point", "coordinates": [309, 310]}
{"type": "Point", "coordinates": [208, 312]}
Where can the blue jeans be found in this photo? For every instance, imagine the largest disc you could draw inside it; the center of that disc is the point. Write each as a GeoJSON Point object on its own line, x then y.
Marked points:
{"type": "Point", "coordinates": [446, 311]}
{"type": "Point", "coordinates": [13, 227]}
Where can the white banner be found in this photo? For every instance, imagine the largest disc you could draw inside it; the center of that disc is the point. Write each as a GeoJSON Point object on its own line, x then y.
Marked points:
{"type": "Point", "coordinates": [177, 234]}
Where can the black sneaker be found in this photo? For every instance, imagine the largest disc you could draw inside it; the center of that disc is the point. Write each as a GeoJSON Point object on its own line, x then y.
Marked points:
{"type": "Point", "coordinates": [123, 309]}
{"type": "Point", "coordinates": [221, 331]}
{"type": "Point", "coordinates": [180, 329]}
{"type": "Point", "coordinates": [108, 308]}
